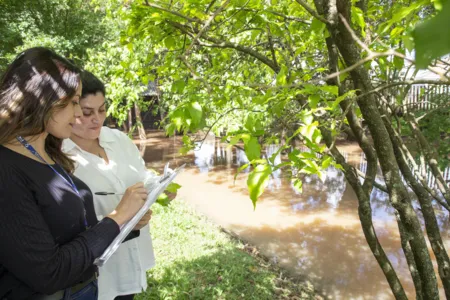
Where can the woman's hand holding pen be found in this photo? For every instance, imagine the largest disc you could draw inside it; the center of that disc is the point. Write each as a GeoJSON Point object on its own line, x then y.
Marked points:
{"type": "Point", "coordinates": [133, 199]}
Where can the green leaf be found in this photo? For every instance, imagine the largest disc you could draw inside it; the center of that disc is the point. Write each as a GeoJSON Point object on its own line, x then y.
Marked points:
{"type": "Point", "coordinates": [173, 187]}
{"type": "Point", "coordinates": [252, 149]}
{"type": "Point", "coordinates": [317, 26]}
{"type": "Point", "coordinates": [250, 123]}
{"type": "Point", "coordinates": [431, 38]}
{"type": "Point", "coordinates": [438, 4]}
{"type": "Point", "coordinates": [307, 117]}
{"type": "Point", "coordinates": [383, 28]}
{"type": "Point", "coordinates": [170, 129]}
{"type": "Point", "coordinates": [298, 185]}
{"type": "Point", "coordinates": [243, 167]}
{"type": "Point", "coordinates": [316, 137]}
{"type": "Point", "coordinates": [408, 41]}
{"type": "Point", "coordinates": [130, 47]}
{"type": "Point", "coordinates": [308, 130]}
{"type": "Point", "coordinates": [399, 62]}
{"type": "Point", "coordinates": [326, 163]}
{"type": "Point", "coordinates": [184, 150]}
{"type": "Point", "coordinates": [332, 89]}
{"type": "Point", "coordinates": [195, 110]}
{"type": "Point", "coordinates": [257, 181]}
{"type": "Point", "coordinates": [178, 86]}
{"type": "Point", "coordinates": [274, 156]}
{"type": "Point", "coordinates": [186, 140]}
{"type": "Point", "coordinates": [358, 18]}
{"type": "Point", "coordinates": [338, 166]}
{"type": "Point", "coordinates": [177, 118]}
{"type": "Point", "coordinates": [282, 165]}
{"type": "Point", "coordinates": [406, 11]}
{"type": "Point", "coordinates": [170, 42]}
{"type": "Point", "coordinates": [396, 32]}
{"type": "Point", "coordinates": [313, 100]}
{"type": "Point", "coordinates": [382, 63]}
{"type": "Point", "coordinates": [245, 137]}
{"type": "Point", "coordinates": [281, 76]}
{"type": "Point", "coordinates": [344, 76]}
{"type": "Point", "coordinates": [278, 108]}
{"type": "Point", "coordinates": [341, 98]}
{"type": "Point", "coordinates": [163, 200]}
{"type": "Point", "coordinates": [235, 139]}
{"type": "Point", "coordinates": [308, 155]}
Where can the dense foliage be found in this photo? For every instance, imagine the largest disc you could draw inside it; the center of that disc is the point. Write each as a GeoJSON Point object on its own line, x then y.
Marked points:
{"type": "Point", "coordinates": [69, 27]}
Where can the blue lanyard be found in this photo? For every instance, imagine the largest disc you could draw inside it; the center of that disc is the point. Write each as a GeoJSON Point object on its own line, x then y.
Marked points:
{"type": "Point", "coordinates": [69, 182]}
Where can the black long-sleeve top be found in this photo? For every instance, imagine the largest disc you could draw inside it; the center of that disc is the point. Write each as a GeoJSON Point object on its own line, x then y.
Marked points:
{"type": "Point", "coordinates": [44, 245]}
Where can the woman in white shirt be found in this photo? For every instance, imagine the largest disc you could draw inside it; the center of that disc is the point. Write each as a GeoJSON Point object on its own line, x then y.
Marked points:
{"type": "Point", "coordinates": [108, 161]}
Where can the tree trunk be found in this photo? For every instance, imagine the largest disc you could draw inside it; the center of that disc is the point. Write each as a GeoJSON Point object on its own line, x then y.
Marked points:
{"type": "Point", "coordinates": [365, 216]}
{"type": "Point", "coordinates": [431, 224]}
{"type": "Point", "coordinates": [139, 124]}
{"type": "Point", "coordinates": [398, 193]}
{"type": "Point", "coordinates": [125, 127]}
{"type": "Point", "coordinates": [409, 258]}
{"type": "Point", "coordinates": [130, 121]}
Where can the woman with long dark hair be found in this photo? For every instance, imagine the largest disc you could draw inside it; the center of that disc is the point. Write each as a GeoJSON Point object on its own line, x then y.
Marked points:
{"type": "Point", "coordinates": [49, 232]}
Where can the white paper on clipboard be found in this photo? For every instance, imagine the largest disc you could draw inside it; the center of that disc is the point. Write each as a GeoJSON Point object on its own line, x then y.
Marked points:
{"type": "Point", "coordinates": [156, 186]}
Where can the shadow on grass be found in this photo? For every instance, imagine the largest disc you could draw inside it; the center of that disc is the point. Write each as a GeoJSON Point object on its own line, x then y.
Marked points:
{"type": "Point", "coordinates": [224, 274]}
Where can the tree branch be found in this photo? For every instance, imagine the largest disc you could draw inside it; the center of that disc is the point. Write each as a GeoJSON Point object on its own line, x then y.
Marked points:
{"type": "Point", "coordinates": [272, 50]}
{"type": "Point", "coordinates": [311, 11]}
{"type": "Point", "coordinates": [354, 36]}
{"type": "Point", "coordinates": [349, 113]}
{"type": "Point", "coordinates": [194, 74]}
{"type": "Point", "coordinates": [209, 6]}
{"type": "Point", "coordinates": [225, 44]}
{"type": "Point", "coordinates": [290, 18]}
{"type": "Point", "coordinates": [231, 16]}
{"type": "Point", "coordinates": [379, 186]}
{"type": "Point", "coordinates": [206, 26]}
{"type": "Point", "coordinates": [153, 5]}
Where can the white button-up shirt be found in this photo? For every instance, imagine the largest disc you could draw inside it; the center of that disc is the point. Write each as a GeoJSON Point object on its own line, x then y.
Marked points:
{"type": "Point", "coordinates": [125, 272]}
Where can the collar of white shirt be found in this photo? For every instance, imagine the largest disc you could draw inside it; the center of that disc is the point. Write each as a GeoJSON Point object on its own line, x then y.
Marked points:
{"type": "Point", "coordinates": [105, 139]}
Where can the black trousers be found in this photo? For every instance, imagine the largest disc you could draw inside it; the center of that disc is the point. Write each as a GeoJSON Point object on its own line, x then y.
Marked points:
{"type": "Point", "coordinates": [125, 297]}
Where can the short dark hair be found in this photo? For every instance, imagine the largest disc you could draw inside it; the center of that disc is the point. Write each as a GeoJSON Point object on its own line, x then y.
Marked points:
{"type": "Point", "coordinates": [91, 84]}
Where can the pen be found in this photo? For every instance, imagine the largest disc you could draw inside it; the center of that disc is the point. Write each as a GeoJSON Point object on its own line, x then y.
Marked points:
{"type": "Point", "coordinates": [107, 193]}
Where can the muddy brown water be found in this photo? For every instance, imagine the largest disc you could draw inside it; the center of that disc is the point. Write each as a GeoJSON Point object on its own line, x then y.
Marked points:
{"type": "Point", "coordinates": [315, 235]}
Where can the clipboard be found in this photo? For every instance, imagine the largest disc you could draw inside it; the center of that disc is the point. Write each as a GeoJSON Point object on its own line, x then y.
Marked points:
{"type": "Point", "coordinates": [157, 189]}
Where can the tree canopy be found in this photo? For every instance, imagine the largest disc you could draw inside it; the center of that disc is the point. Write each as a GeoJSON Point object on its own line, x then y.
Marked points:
{"type": "Point", "coordinates": [69, 27]}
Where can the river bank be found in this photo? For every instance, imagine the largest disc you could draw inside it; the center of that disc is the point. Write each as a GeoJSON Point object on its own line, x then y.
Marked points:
{"type": "Point", "coordinates": [197, 260]}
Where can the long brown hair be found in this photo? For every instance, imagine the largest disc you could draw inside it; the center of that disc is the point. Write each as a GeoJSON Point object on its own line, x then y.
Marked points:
{"type": "Point", "coordinates": [35, 85]}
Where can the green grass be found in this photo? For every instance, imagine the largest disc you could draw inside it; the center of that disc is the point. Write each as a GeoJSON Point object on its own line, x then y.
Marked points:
{"type": "Point", "coordinates": [196, 260]}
